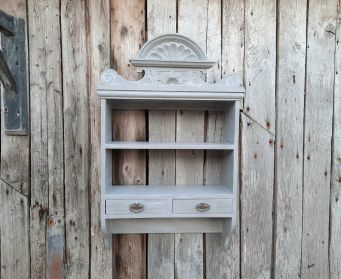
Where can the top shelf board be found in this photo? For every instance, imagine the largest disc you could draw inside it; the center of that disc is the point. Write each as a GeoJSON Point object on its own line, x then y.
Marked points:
{"type": "Point", "coordinates": [176, 94]}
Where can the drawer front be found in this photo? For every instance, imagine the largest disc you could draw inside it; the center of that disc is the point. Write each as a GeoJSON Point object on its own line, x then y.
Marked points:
{"type": "Point", "coordinates": [202, 206]}
{"type": "Point", "coordinates": [137, 207]}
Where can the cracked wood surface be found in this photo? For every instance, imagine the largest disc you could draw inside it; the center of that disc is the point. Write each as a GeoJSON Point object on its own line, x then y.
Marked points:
{"type": "Point", "coordinates": [317, 137]}
{"type": "Point", "coordinates": [161, 18]}
{"type": "Point", "coordinates": [99, 60]}
{"type": "Point", "coordinates": [335, 194]}
{"type": "Point", "coordinates": [289, 137]}
{"type": "Point", "coordinates": [129, 167]}
{"type": "Point", "coordinates": [304, 171]}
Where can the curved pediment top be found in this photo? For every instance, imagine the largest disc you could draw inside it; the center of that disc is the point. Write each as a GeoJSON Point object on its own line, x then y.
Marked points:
{"type": "Point", "coordinates": [172, 50]}
{"type": "Point", "coordinates": [170, 61]}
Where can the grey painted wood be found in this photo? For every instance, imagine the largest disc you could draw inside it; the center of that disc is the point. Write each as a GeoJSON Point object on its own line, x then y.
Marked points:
{"type": "Point", "coordinates": [14, 233]}
{"type": "Point", "coordinates": [289, 143]}
{"type": "Point", "coordinates": [184, 227]}
{"type": "Point", "coordinates": [224, 261]}
{"type": "Point", "coordinates": [47, 160]}
{"type": "Point", "coordinates": [189, 161]}
{"type": "Point", "coordinates": [76, 138]}
{"type": "Point", "coordinates": [99, 48]}
{"type": "Point", "coordinates": [260, 61]}
{"type": "Point", "coordinates": [335, 194]}
{"type": "Point", "coordinates": [317, 145]}
{"type": "Point", "coordinates": [257, 175]}
{"type": "Point", "coordinates": [15, 149]}
{"type": "Point", "coordinates": [168, 146]}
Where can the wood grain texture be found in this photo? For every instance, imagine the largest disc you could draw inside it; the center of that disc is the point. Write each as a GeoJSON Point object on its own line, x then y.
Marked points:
{"type": "Point", "coordinates": [317, 137]}
{"type": "Point", "coordinates": [189, 171]}
{"type": "Point", "coordinates": [289, 137]}
{"type": "Point", "coordinates": [99, 59]}
{"type": "Point", "coordinates": [194, 23]}
{"type": "Point", "coordinates": [76, 137]}
{"type": "Point", "coordinates": [14, 233]}
{"type": "Point", "coordinates": [260, 61]}
{"type": "Point", "coordinates": [224, 262]}
{"type": "Point", "coordinates": [335, 194]}
{"type": "Point", "coordinates": [257, 144]}
{"type": "Point", "coordinates": [256, 200]}
{"type": "Point", "coordinates": [47, 167]}
{"type": "Point", "coordinates": [161, 18]}
{"type": "Point", "coordinates": [15, 149]}
{"type": "Point", "coordinates": [127, 37]}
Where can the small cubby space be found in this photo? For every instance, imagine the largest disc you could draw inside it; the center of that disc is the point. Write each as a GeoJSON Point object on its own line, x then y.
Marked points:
{"type": "Point", "coordinates": [224, 112]}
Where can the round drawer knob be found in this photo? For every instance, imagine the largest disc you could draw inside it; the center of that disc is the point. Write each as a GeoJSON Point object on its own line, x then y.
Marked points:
{"type": "Point", "coordinates": [136, 207]}
{"type": "Point", "coordinates": [202, 207]}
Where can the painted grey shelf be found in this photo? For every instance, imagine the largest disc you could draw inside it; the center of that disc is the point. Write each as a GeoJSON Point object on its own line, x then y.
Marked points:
{"type": "Point", "coordinates": [173, 67]}
{"type": "Point", "coordinates": [168, 145]}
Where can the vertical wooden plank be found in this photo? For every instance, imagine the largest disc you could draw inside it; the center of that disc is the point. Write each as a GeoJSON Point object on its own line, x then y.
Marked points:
{"type": "Point", "coordinates": [257, 150]}
{"type": "Point", "coordinates": [14, 233]}
{"type": "Point", "coordinates": [289, 134]}
{"type": "Point", "coordinates": [15, 149]}
{"type": "Point", "coordinates": [317, 137]}
{"type": "Point", "coordinates": [256, 200]}
{"type": "Point", "coordinates": [47, 182]}
{"type": "Point", "coordinates": [76, 137]}
{"type": "Point", "coordinates": [99, 59]}
{"type": "Point", "coordinates": [224, 262]}
{"type": "Point", "coordinates": [189, 171]}
{"type": "Point", "coordinates": [335, 195]}
{"type": "Point", "coordinates": [127, 37]}
{"type": "Point", "coordinates": [161, 18]}
{"type": "Point", "coordinates": [194, 21]}
{"type": "Point", "coordinates": [260, 61]}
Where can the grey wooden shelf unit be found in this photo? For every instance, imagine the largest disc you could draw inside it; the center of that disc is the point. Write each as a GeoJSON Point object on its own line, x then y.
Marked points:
{"type": "Point", "coordinates": [174, 68]}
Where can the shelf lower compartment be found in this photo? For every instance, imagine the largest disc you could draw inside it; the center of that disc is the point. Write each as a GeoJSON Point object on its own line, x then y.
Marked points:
{"type": "Point", "coordinates": [168, 145]}
{"type": "Point", "coordinates": [168, 202]}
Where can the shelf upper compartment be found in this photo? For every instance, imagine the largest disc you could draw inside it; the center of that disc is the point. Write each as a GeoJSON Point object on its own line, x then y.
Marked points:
{"type": "Point", "coordinates": [168, 145]}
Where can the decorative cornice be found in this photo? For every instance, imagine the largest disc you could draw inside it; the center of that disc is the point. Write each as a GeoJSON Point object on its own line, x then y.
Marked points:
{"type": "Point", "coordinates": [174, 77]}
{"type": "Point", "coordinates": [172, 50]}
{"type": "Point", "coordinates": [171, 60]}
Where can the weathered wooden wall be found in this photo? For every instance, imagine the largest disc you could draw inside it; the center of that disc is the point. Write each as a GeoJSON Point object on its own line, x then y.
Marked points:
{"type": "Point", "coordinates": [289, 55]}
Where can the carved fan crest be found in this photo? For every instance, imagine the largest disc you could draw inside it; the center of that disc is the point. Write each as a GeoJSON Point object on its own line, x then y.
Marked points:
{"type": "Point", "coordinates": [172, 51]}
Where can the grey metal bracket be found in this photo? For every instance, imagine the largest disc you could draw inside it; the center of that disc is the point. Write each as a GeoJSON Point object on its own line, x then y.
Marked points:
{"type": "Point", "coordinates": [13, 74]}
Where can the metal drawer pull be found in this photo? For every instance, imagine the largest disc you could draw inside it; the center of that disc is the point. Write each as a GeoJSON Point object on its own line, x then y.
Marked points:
{"type": "Point", "coordinates": [136, 207]}
{"type": "Point", "coordinates": [202, 207]}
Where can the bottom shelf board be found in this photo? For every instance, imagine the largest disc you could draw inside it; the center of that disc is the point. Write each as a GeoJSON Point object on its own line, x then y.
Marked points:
{"type": "Point", "coordinates": [162, 191]}
{"type": "Point", "coordinates": [189, 225]}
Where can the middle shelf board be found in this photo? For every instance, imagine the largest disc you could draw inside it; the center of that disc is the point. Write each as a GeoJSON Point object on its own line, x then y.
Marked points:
{"type": "Point", "coordinates": [163, 191]}
{"type": "Point", "coordinates": [168, 145]}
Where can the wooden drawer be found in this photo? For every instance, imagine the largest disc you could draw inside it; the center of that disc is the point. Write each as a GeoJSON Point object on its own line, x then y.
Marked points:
{"type": "Point", "coordinates": [136, 207]}
{"type": "Point", "coordinates": [202, 206]}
